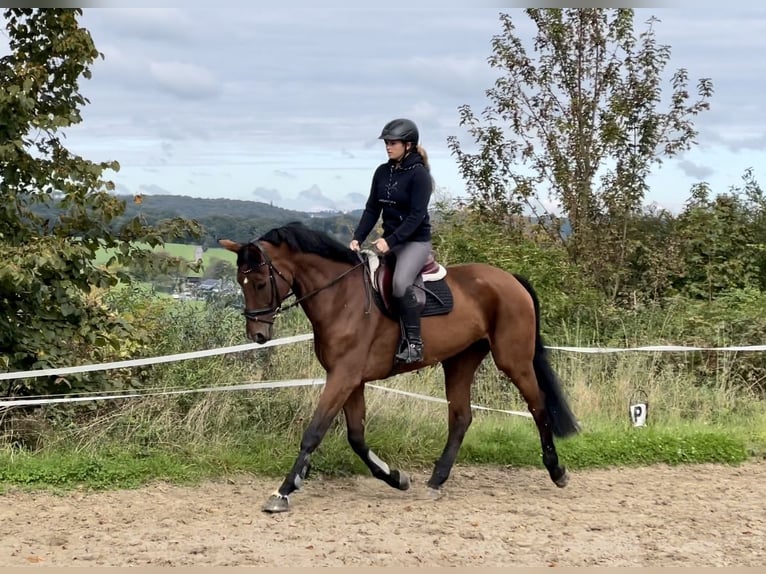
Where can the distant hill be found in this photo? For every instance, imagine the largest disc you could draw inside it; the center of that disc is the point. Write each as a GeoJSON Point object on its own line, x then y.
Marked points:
{"type": "Point", "coordinates": [234, 218]}
{"type": "Point", "coordinates": [197, 207]}
{"type": "Point", "coordinates": [237, 219]}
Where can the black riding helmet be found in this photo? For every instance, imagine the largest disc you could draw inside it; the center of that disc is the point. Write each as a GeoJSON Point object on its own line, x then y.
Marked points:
{"type": "Point", "coordinates": [400, 129]}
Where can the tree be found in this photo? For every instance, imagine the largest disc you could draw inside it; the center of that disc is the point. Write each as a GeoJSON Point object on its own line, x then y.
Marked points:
{"type": "Point", "coordinates": [220, 269]}
{"type": "Point", "coordinates": [580, 120]}
{"type": "Point", "coordinates": [723, 240]}
{"type": "Point", "coordinates": [51, 312]}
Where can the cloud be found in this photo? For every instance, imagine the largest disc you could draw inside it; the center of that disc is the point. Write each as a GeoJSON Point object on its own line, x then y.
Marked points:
{"type": "Point", "coordinates": [174, 130]}
{"type": "Point", "coordinates": [449, 73]}
{"type": "Point", "coordinates": [187, 81]}
{"type": "Point", "coordinates": [718, 44]}
{"type": "Point", "coordinates": [312, 192]}
{"type": "Point", "coordinates": [736, 140]}
{"type": "Point", "coordinates": [153, 189]}
{"type": "Point", "coordinates": [356, 199]}
{"type": "Point", "coordinates": [212, 83]}
{"type": "Point", "coordinates": [697, 171]}
{"type": "Point", "coordinates": [315, 90]}
{"type": "Point", "coordinates": [161, 25]}
{"type": "Point", "coordinates": [267, 194]}
{"type": "Point", "coordinates": [313, 199]}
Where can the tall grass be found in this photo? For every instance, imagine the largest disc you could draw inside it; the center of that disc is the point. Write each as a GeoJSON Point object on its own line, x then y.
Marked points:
{"type": "Point", "coordinates": [207, 433]}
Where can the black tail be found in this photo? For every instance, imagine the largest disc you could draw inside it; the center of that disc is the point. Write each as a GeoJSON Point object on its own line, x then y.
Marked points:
{"type": "Point", "coordinates": [563, 422]}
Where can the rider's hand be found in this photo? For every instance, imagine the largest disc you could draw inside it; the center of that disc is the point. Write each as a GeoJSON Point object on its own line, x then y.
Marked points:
{"type": "Point", "coordinates": [354, 245]}
{"type": "Point", "coordinates": [381, 245]}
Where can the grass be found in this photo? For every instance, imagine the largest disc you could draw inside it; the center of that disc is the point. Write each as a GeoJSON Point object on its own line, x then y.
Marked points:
{"type": "Point", "coordinates": [693, 418]}
{"type": "Point", "coordinates": [492, 440]}
{"type": "Point", "coordinates": [184, 251]}
{"type": "Point", "coordinates": [209, 436]}
{"type": "Point", "coordinates": [606, 445]}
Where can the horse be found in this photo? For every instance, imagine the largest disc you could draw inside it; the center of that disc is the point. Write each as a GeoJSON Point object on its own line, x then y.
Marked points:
{"type": "Point", "coordinates": [491, 311]}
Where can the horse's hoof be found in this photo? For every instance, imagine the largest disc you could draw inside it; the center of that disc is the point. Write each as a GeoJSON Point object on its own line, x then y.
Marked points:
{"type": "Point", "coordinates": [563, 480]}
{"type": "Point", "coordinates": [400, 480]}
{"type": "Point", "coordinates": [435, 493]}
{"type": "Point", "coordinates": [276, 503]}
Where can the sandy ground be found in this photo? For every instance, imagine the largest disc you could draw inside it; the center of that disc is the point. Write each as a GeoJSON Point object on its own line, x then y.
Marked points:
{"type": "Point", "coordinates": [695, 515]}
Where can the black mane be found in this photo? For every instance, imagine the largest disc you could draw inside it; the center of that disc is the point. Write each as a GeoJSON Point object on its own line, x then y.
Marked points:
{"type": "Point", "coordinates": [304, 239]}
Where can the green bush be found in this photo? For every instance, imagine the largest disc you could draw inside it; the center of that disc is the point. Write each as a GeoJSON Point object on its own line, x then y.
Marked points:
{"type": "Point", "coordinates": [563, 289]}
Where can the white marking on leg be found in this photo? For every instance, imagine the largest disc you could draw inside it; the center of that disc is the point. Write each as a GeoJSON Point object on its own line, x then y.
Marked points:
{"type": "Point", "coordinates": [374, 459]}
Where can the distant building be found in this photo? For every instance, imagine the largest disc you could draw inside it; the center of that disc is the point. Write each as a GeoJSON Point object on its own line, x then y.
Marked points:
{"type": "Point", "coordinates": [210, 286]}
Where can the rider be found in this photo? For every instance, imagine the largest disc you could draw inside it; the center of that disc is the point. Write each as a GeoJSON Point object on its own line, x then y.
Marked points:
{"type": "Point", "coordinates": [401, 189]}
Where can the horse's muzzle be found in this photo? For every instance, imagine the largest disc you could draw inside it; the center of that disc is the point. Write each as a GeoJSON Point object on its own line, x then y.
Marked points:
{"type": "Point", "coordinates": [258, 332]}
{"type": "Point", "coordinates": [258, 337]}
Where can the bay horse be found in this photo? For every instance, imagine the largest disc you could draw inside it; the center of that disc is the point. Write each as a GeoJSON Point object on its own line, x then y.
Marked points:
{"type": "Point", "coordinates": [492, 312]}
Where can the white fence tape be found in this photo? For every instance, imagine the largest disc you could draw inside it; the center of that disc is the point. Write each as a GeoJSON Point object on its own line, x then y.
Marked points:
{"type": "Point", "coordinates": [243, 387]}
{"type": "Point", "coordinates": [128, 395]}
{"type": "Point", "coordinates": [655, 348]}
{"type": "Point", "coordinates": [439, 400]}
{"type": "Point", "coordinates": [60, 371]}
{"type": "Point", "coordinates": [153, 360]}
{"type": "Point", "coordinates": [10, 403]}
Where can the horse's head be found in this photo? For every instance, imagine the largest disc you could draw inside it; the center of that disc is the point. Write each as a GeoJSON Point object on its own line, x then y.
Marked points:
{"type": "Point", "coordinates": [263, 287]}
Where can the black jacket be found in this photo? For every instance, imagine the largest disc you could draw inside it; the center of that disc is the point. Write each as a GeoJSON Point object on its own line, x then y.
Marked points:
{"type": "Point", "coordinates": [402, 194]}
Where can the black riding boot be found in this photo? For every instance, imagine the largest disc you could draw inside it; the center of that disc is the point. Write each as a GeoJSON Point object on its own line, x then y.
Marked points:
{"type": "Point", "coordinates": [409, 309]}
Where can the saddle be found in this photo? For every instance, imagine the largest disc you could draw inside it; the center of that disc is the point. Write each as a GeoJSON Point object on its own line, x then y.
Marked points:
{"type": "Point", "coordinates": [433, 294]}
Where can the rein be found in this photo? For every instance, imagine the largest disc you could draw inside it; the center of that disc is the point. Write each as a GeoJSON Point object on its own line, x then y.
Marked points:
{"type": "Point", "coordinates": [276, 308]}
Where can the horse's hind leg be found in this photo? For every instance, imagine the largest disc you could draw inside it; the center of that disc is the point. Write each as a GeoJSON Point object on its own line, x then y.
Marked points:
{"type": "Point", "coordinates": [459, 374]}
{"type": "Point", "coordinates": [355, 410]}
{"type": "Point", "coordinates": [514, 357]}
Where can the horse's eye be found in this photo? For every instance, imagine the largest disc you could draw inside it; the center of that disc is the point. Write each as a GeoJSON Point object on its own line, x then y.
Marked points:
{"type": "Point", "coordinates": [260, 286]}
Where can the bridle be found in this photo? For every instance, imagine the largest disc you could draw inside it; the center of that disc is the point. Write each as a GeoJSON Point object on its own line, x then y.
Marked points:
{"type": "Point", "coordinates": [275, 305]}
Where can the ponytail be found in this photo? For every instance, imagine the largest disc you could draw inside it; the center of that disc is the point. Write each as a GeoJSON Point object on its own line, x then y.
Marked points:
{"type": "Point", "coordinates": [421, 150]}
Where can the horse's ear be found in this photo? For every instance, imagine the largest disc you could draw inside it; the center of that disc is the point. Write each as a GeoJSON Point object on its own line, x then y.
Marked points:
{"type": "Point", "coordinates": [230, 245]}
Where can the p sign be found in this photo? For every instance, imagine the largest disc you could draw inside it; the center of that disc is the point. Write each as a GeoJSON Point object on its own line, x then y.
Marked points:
{"type": "Point", "coordinates": [638, 414]}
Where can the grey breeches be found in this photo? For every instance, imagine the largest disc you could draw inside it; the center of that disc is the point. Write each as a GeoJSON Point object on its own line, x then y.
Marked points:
{"type": "Point", "coordinates": [410, 258]}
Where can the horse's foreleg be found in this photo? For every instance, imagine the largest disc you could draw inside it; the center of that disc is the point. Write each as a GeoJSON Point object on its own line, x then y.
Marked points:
{"type": "Point", "coordinates": [355, 409]}
{"type": "Point", "coordinates": [459, 374]}
{"type": "Point", "coordinates": [336, 391]}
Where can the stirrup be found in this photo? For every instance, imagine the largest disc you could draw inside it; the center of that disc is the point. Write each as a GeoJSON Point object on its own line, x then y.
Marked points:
{"type": "Point", "coordinates": [411, 353]}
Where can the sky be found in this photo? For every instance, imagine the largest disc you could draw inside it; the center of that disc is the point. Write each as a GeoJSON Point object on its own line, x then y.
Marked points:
{"type": "Point", "coordinates": [284, 102]}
